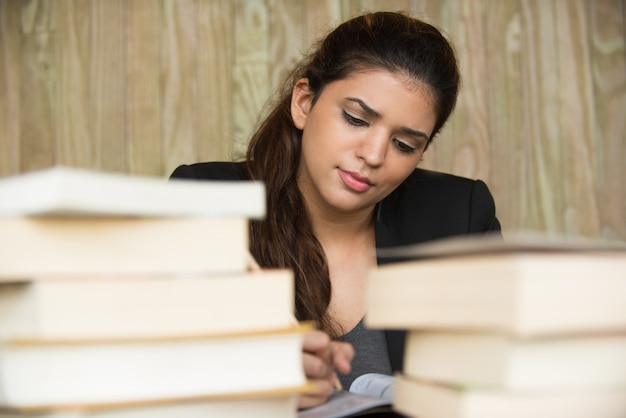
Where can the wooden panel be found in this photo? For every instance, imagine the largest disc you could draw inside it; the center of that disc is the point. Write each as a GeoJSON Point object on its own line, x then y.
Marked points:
{"type": "Point", "coordinates": [214, 121]}
{"type": "Point", "coordinates": [466, 137]}
{"type": "Point", "coordinates": [580, 208]}
{"type": "Point", "coordinates": [607, 31]}
{"type": "Point", "coordinates": [387, 5]}
{"type": "Point", "coordinates": [71, 110]}
{"type": "Point", "coordinates": [107, 84]}
{"type": "Point", "coordinates": [251, 75]}
{"type": "Point", "coordinates": [178, 38]}
{"type": "Point", "coordinates": [541, 195]}
{"type": "Point", "coordinates": [38, 86]}
{"type": "Point", "coordinates": [9, 87]}
{"type": "Point", "coordinates": [286, 34]}
{"type": "Point", "coordinates": [144, 133]}
{"type": "Point", "coordinates": [321, 17]}
{"type": "Point", "coordinates": [145, 85]}
{"type": "Point", "coordinates": [503, 45]}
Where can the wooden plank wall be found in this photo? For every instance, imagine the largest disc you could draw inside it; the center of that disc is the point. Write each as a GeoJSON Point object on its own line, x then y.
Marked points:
{"type": "Point", "coordinates": [141, 86]}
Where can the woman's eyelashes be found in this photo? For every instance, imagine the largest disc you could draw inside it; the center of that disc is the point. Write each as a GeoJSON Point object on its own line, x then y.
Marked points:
{"type": "Point", "coordinates": [353, 120]}
{"type": "Point", "coordinates": [402, 146]}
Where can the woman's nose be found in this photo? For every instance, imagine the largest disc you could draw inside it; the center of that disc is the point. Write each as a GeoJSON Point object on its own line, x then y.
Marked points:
{"type": "Point", "coordinates": [373, 148]}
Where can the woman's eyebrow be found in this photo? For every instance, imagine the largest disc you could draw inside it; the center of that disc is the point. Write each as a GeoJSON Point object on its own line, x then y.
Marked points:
{"type": "Point", "coordinates": [365, 107]}
{"type": "Point", "coordinates": [376, 114]}
{"type": "Point", "coordinates": [413, 132]}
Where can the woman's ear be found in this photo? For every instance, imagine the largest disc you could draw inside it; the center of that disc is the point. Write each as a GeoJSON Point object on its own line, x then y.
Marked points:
{"type": "Point", "coordinates": [301, 99]}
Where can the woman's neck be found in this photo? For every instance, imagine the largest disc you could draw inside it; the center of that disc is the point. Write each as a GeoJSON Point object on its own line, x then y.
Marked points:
{"type": "Point", "coordinates": [329, 224]}
{"type": "Point", "coordinates": [349, 244]}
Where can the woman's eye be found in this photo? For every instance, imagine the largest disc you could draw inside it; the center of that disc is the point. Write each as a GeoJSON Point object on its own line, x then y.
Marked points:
{"type": "Point", "coordinates": [353, 121]}
{"type": "Point", "coordinates": [404, 147]}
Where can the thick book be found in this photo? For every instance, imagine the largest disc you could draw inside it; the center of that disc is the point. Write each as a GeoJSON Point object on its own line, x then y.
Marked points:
{"type": "Point", "coordinates": [583, 362]}
{"type": "Point", "coordinates": [104, 306]}
{"type": "Point", "coordinates": [34, 246]}
{"type": "Point", "coordinates": [429, 400]}
{"type": "Point", "coordinates": [67, 191]}
{"type": "Point", "coordinates": [49, 373]}
{"type": "Point", "coordinates": [486, 285]}
{"type": "Point", "coordinates": [264, 404]}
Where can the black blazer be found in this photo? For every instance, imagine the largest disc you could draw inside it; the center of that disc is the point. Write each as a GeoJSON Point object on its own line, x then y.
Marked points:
{"type": "Point", "coordinates": [429, 205]}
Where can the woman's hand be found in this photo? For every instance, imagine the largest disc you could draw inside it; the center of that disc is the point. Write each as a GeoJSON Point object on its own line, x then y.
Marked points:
{"type": "Point", "coordinates": [322, 358]}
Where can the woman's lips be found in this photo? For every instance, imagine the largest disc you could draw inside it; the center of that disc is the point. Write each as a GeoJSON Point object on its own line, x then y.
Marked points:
{"type": "Point", "coordinates": [355, 181]}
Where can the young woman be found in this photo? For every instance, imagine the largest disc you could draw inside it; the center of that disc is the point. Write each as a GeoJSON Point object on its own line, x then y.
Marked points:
{"type": "Point", "coordinates": [338, 154]}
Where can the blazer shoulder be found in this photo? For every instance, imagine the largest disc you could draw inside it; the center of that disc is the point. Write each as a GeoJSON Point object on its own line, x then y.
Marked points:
{"type": "Point", "coordinates": [431, 205]}
{"type": "Point", "coordinates": [442, 187]}
{"type": "Point", "coordinates": [423, 176]}
{"type": "Point", "coordinates": [215, 170]}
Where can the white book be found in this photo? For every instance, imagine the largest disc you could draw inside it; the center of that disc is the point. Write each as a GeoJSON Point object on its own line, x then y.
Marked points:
{"type": "Point", "coordinates": [48, 373]}
{"type": "Point", "coordinates": [270, 404]}
{"type": "Point", "coordinates": [428, 400]}
{"type": "Point", "coordinates": [495, 286]}
{"type": "Point", "coordinates": [583, 362]}
{"type": "Point", "coordinates": [32, 246]}
{"type": "Point", "coordinates": [73, 191]}
{"type": "Point", "coordinates": [129, 307]}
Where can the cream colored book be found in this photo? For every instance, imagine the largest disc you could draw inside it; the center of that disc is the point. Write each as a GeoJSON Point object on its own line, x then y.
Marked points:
{"type": "Point", "coordinates": [582, 362]}
{"type": "Point", "coordinates": [86, 307]}
{"type": "Point", "coordinates": [36, 246]}
{"type": "Point", "coordinates": [64, 191]}
{"type": "Point", "coordinates": [428, 400]}
{"type": "Point", "coordinates": [502, 287]}
{"type": "Point", "coordinates": [272, 404]}
{"type": "Point", "coordinates": [47, 373]}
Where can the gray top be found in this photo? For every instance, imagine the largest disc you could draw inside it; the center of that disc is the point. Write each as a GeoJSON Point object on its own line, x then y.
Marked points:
{"type": "Point", "coordinates": [370, 353]}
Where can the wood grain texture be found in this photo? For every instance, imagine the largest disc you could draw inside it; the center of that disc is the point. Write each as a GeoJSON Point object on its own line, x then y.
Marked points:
{"type": "Point", "coordinates": [503, 49]}
{"type": "Point", "coordinates": [38, 85]}
{"type": "Point", "coordinates": [607, 62]}
{"type": "Point", "coordinates": [251, 73]}
{"type": "Point", "coordinates": [144, 103]}
{"type": "Point", "coordinates": [286, 33]}
{"type": "Point", "coordinates": [215, 51]}
{"type": "Point", "coordinates": [576, 115]}
{"type": "Point", "coordinates": [10, 78]}
{"type": "Point", "coordinates": [178, 81]}
{"type": "Point", "coordinates": [108, 85]}
{"type": "Point", "coordinates": [542, 196]}
{"type": "Point", "coordinates": [71, 110]}
{"type": "Point", "coordinates": [142, 86]}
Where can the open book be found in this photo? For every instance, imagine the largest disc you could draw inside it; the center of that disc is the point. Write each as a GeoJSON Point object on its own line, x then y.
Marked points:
{"type": "Point", "coordinates": [370, 393]}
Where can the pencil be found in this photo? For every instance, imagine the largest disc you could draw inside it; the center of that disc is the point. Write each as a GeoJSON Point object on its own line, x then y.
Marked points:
{"type": "Point", "coordinates": [338, 384]}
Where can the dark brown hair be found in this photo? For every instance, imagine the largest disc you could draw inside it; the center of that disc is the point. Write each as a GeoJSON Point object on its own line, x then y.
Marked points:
{"type": "Point", "coordinates": [382, 40]}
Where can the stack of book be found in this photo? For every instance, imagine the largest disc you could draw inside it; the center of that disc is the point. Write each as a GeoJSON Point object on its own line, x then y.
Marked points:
{"type": "Point", "coordinates": [506, 328]}
{"type": "Point", "coordinates": [126, 296]}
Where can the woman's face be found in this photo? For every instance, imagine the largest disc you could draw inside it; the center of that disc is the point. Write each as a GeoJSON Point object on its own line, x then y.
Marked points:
{"type": "Point", "coordinates": [363, 136]}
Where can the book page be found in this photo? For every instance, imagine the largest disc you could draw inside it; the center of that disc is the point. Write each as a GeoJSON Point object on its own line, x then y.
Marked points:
{"type": "Point", "coordinates": [368, 393]}
{"type": "Point", "coordinates": [373, 384]}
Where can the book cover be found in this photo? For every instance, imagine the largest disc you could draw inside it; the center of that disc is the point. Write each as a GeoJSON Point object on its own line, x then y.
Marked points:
{"type": "Point", "coordinates": [34, 246]}
{"type": "Point", "coordinates": [582, 362]}
{"type": "Point", "coordinates": [107, 306]}
{"type": "Point", "coordinates": [63, 191]}
{"type": "Point", "coordinates": [515, 291]}
{"type": "Point", "coordinates": [45, 373]}
{"type": "Point", "coordinates": [429, 400]}
{"type": "Point", "coordinates": [261, 404]}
